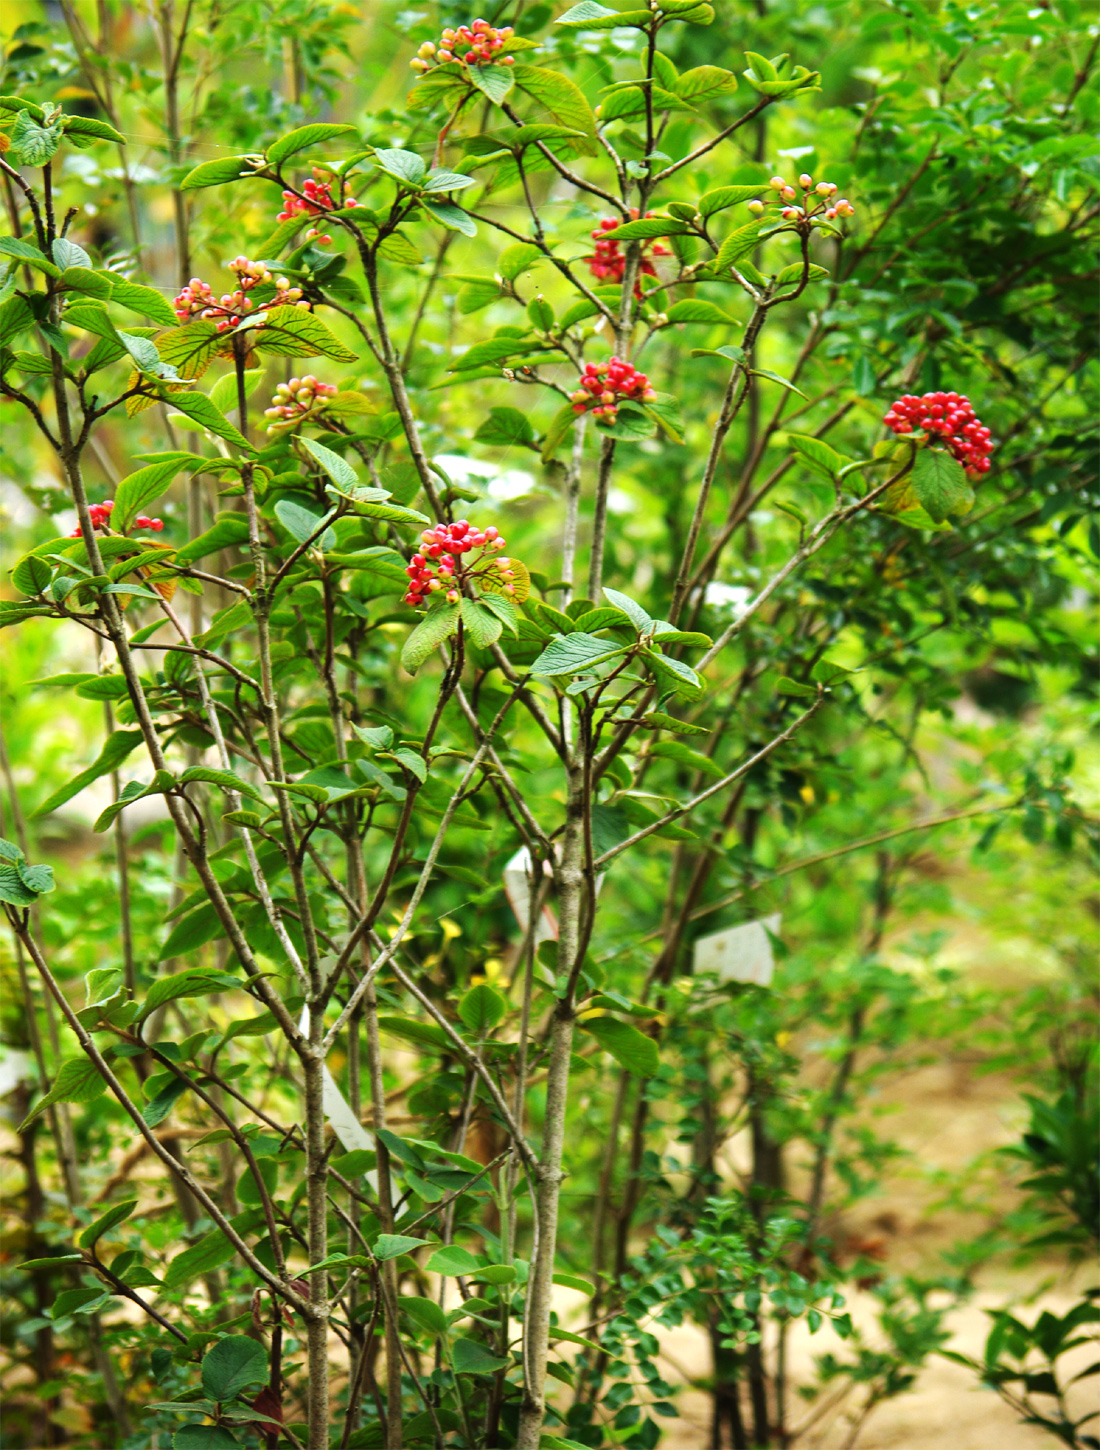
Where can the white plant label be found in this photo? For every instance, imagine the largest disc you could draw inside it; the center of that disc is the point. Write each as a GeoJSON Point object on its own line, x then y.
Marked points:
{"type": "Point", "coordinates": [347, 1127]}
{"type": "Point", "coordinates": [517, 888]}
{"type": "Point", "coordinates": [741, 953]}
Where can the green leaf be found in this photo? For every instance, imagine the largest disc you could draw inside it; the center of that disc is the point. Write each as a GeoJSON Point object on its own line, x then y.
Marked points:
{"type": "Point", "coordinates": [698, 309]}
{"type": "Point", "coordinates": [337, 468]}
{"type": "Point", "coordinates": [425, 1034]}
{"type": "Point", "coordinates": [631, 426]}
{"type": "Point", "coordinates": [233, 1365]}
{"type": "Point", "coordinates": [86, 281]}
{"type": "Point", "coordinates": [259, 1026]}
{"type": "Point", "coordinates": [648, 227]}
{"type": "Point", "coordinates": [793, 273]}
{"type": "Point", "coordinates": [586, 11]}
{"type": "Point", "coordinates": [940, 484]}
{"type": "Point", "coordinates": [227, 532]}
{"type": "Point", "coordinates": [674, 675]}
{"type": "Point", "coordinates": [195, 981]}
{"type": "Point", "coordinates": [571, 654]}
{"type": "Point", "coordinates": [216, 173]}
{"type": "Point", "coordinates": [629, 1047]}
{"type": "Point", "coordinates": [441, 180]}
{"type": "Point", "coordinates": [234, 616]}
{"type": "Point", "coordinates": [406, 166]}
{"type": "Point", "coordinates": [438, 624]}
{"type": "Point", "coordinates": [227, 779]}
{"type": "Point", "coordinates": [517, 258]}
{"type": "Point", "coordinates": [193, 348]}
{"type": "Point", "coordinates": [89, 126]}
{"type": "Point", "coordinates": [785, 686]}
{"type": "Point", "coordinates": [631, 608]}
{"type": "Point", "coordinates": [450, 216]}
{"type": "Point", "coordinates": [483, 627]}
{"type": "Point", "coordinates": [564, 100]}
{"type": "Point", "coordinates": [475, 294]}
{"type": "Point", "coordinates": [32, 144]}
{"type": "Point", "coordinates": [493, 350]}
{"type": "Point", "coordinates": [506, 427]}
{"type": "Point", "coordinates": [397, 248]}
{"type": "Point", "coordinates": [574, 1281]}
{"type": "Point", "coordinates": [675, 750]}
{"type": "Point", "coordinates": [211, 1251]}
{"type": "Point", "coordinates": [13, 889]}
{"type": "Point", "coordinates": [305, 524]}
{"type": "Point", "coordinates": [502, 606]}
{"type": "Point", "coordinates": [146, 301]}
{"type": "Point", "coordinates": [424, 1312]}
{"type": "Point", "coordinates": [199, 407]}
{"type": "Point", "coordinates": [69, 254]}
{"type": "Point", "coordinates": [494, 81]}
{"type": "Point", "coordinates": [775, 378]}
{"type": "Point", "coordinates": [305, 137]}
{"type": "Point", "coordinates": [389, 1246]}
{"type": "Point", "coordinates": [38, 879]}
{"type": "Point", "coordinates": [138, 490]}
{"type": "Point", "coordinates": [452, 1261]}
{"type": "Point", "coordinates": [158, 1107]}
{"type": "Point", "coordinates": [666, 634]}
{"type": "Point", "coordinates": [481, 1009]}
{"type": "Point", "coordinates": [204, 1437]}
{"type": "Point", "coordinates": [26, 251]}
{"type": "Point", "coordinates": [15, 317]}
{"type": "Point", "coordinates": [292, 332]}
{"type": "Point", "coordinates": [470, 1356]}
{"type": "Point", "coordinates": [77, 1301]}
{"type": "Point", "coordinates": [737, 245]}
{"type": "Point", "coordinates": [134, 790]}
{"type": "Point", "coordinates": [413, 762]}
{"type": "Point", "coordinates": [115, 750]}
{"type": "Point", "coordinates": [817, 454]}
{"type": "Point", "coordinates": [77, 1081]}
{"type": "Point", "coordinates": [55, 1262]}
{"type": "Point", "coordinates": [560, 426]}
{"type": "Point", "coordinates": [706, 83]}
{"type": "Point", "coordinates": [378, 737]}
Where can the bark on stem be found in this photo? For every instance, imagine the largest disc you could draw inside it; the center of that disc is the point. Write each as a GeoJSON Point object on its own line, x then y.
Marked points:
{"type": "Point", "coordinates": [599, 518]}
{"type": "Point", "coordinates": [548, 1173]}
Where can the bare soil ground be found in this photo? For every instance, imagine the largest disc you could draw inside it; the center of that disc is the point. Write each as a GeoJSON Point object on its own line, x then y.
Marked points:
{"type": "Point", "coordinates": [946, 1115]}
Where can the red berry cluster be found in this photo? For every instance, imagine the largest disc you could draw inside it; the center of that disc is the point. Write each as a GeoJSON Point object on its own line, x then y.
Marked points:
{"type": "Point", "coordinates": [608, 262]}
{"type": "Point", "coordinates": [817, 200]}
{"type": "Point", "coordinates": [476, 44]}
{"type": "Point", "coordinates": [295, 400]}
{"type": "Point", "coordinates": [317, 198]}
{"type": "Point", "coordinates": [198, 300]}
{"type": "Point", "coordinates": [101, 515]}
{"type": "Point", "coordinates": [949, 417]}
{"type": "Point", "coordinates": [438, 565]}
{"type": "Point", "coordinates": [605, 385]}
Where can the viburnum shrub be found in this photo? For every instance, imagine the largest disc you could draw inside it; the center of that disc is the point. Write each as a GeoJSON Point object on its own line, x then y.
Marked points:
{"type": "Point", "coordinates": [476, 44]}
{"type": "Point", "coordinates": [197, 299]}
{"type": "Point", "coordinates": [438, 564]}
{"type": "Point", "coordinates": [100, 515]}
{"type": "Point", "coordinates": [608, 262]}
{"type": "Point", "coordinates": [816, 201]}
{"type": "Point", "coordinates": [314, 199]}
{"type": "Point", "coordinates": [949, 417]}
{"type": "Point", "coordinates": [604, 385]}
{"type": "Point", "coordinates": [295, 400]}
{"type": "Point", "coordinates": [401, 772]}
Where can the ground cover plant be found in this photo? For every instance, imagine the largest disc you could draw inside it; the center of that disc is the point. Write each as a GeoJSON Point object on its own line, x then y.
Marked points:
{"type": "Point", "coordinates": [484, 534]}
